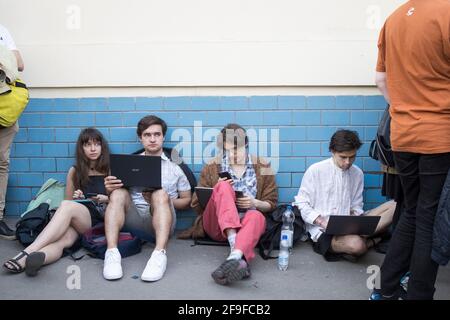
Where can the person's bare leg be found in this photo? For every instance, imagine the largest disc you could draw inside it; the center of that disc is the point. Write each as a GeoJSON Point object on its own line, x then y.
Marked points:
{"type": "Point", "coordinates": [119, 200]}
{"type": "Point", "coordinates": [162, 218]}
{"type": "Point", "coordinates": [349, 244]}
{"type": "Point", "coordinates": [386, 212]}
{"type": "Point", "coordinates": [69, 213]}
{"type": "Point", "coordinates": [54, 251]}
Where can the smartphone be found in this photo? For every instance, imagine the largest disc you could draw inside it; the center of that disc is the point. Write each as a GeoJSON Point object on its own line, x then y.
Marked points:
{"type": "Point", "coordinates": [225, 174]}
{"type": "Point", "coordinates": [91, 195]}
{"type": "Point", "coordinates": [239, 194]}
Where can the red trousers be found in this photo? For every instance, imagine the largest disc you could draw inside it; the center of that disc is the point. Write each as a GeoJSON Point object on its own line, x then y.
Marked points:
{"type": "Point", "coordinates": [221, 214]}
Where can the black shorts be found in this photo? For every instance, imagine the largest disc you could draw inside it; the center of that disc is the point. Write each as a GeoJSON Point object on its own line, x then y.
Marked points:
{"type": "Point", "coordinates": [96, 217]}
{"type": "Point", "coordinates": [323, 247]}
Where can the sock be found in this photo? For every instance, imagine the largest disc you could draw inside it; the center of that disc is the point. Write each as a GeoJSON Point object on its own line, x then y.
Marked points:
{"type": "Point", "coordinates": [232, 240]}
{"type": "Point", "coordinates": [235, 255]}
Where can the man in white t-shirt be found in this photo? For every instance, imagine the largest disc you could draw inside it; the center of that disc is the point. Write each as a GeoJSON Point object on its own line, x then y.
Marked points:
{"type": "Point", "coordinates": [7, 40]}
{"type": "Point", "coordinates": [6, 134]}
{"type": "Point", "coordinates": [150, 212]}
{"type": "Point", "coordinates": [335, 187]}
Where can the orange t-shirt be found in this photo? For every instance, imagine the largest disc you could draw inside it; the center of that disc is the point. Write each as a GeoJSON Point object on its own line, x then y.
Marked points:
{"type": "Point", "coordinates": [414, 51]}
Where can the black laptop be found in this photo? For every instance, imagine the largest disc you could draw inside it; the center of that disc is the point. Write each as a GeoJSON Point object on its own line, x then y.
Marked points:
{"type": "Point", "coordinates": [203, 195]}
{"type": "Point", "coordinates": [137, 170]}
{"type": "Point", "coordinates": [344, 225]}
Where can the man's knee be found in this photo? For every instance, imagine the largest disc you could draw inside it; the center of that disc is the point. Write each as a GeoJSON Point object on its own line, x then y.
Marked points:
{"type": "Point", "coordinates": [160, 198]}
{"type": "Point", "coordinates": [119, 197]}
{"type": "Point", "coordinates": [256, 216]}
{"type": "Point", "coordinates": [222, 186]}
{"type": "Point", "coordinates": [356, 246]}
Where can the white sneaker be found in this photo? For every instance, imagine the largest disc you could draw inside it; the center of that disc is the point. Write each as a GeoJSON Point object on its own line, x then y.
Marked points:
{"type": "Point", "coordinates": [112, 268]}
{"type": "Point", "coordinates": [156, 266]}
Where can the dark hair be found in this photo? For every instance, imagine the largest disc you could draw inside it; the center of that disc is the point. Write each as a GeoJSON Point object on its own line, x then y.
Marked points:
{"type": "Point", "coordinates": [237, 136]}
{"type": "Point", "coordinates": [148, 121]}
{"type": "Point", "coordinates": [81, 177]}
{"type": "Point", "coordinates": [344, 140]}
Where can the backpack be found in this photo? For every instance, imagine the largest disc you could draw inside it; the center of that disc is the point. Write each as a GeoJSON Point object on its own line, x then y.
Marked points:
{"type": "Point", "coordinates": [380, 148]}
{"type": "Point", "coordinates": [174, 156]}
{"type": "Point", "coordinates": [30, 225]}
{"type": "Point", "coordinates": [51, 192]}
{"type": "Point", "coordinates": [94, 241]}
{"type": "Point", "coordinates": [12, 103]}
{"type": "Point", "coordinates": [270, 240]}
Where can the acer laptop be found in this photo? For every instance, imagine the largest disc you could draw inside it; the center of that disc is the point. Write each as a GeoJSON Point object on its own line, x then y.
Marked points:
{"type": "Point", "coordinates": [137, 170]}
{"type": "Point", "coordinates": [344, 225]}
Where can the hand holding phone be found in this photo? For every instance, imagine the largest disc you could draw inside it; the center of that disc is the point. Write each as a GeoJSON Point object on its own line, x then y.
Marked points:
{"type": "Point", "coordinates": [239, 194]}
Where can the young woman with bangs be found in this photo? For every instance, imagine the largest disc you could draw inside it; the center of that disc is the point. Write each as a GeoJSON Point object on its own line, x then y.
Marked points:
{"type": "Point", "coordinates": [84, 206]}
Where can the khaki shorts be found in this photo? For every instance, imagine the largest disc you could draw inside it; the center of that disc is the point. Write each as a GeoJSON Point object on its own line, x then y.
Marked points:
{"type": "Point", "coordinates": [139, 219]}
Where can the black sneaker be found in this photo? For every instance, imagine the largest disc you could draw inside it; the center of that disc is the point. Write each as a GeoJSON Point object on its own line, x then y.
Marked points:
{"type": "Point", "coordinates": [231, 270]}
{"type": "Point", "coordinates": [6, 232]}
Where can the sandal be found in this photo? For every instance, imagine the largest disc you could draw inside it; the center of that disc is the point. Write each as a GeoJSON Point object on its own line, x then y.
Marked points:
{"type": "Point", "coordinates": [33, 263]}
{"type": "Point", "coordinates": [13, 265]}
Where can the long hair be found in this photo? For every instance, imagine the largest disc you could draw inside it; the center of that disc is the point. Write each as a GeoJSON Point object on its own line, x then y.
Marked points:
{"type": "Point", "coordinates": [82, 166]}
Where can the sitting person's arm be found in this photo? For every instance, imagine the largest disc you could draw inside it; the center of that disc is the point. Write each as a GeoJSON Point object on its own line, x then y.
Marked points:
{"type": "Point", "coordinates": [305, 199]}
{"type": "Point", "coordinates": [70, 192]}
{"type": "Point", "coordinates": [356, 206]}
{"type": "Point", "coordinates": [183, 201]}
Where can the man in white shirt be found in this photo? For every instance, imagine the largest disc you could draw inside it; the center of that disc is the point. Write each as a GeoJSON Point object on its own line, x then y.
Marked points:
{"type": "Point", "coordinates": [7, 134]}
{"type": "Point", "coordinates": [150, 212]}
{"type": "Point", "coordinates": [335, 187]}
{"type": "Point", "coordinates": [7, 40]}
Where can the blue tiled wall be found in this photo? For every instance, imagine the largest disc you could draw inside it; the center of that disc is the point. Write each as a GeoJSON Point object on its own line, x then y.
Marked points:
{"type": "Point", "coordinates": [44, 146]}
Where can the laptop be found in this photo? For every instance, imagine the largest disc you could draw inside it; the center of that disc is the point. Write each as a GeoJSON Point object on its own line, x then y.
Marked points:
{"type": "Point", "coordinates": [203, 195]}
{"type": "Point", "coordinates": [137, 170]}
{"type": "Point", "coordinates": [344, 225]}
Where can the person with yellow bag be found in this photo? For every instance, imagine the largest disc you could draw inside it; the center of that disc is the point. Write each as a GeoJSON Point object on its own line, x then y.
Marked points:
{"type": "Point", "coordinates": [13, 100]}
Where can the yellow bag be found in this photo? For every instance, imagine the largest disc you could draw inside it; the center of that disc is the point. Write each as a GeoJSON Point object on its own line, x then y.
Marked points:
{"type": "Point", "coordinates": [12, 103]}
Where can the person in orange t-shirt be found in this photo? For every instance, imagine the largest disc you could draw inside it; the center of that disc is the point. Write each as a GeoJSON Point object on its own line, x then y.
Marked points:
{"type": "Point", "coordinates": [413, 73]}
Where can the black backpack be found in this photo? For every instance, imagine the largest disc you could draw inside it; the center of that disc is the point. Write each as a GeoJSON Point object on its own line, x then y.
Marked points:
{"type": "Point", "coordinates": [175, 157]}
{"type": "Point", "coordinates": [270, 240]}
{"type": "Point", "coordinates": [32, 223]}
{"type": "Point", "coordinates": [380, 148]}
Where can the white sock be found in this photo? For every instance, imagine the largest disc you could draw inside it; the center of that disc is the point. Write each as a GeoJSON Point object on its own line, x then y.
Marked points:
{"type": "Point", "coordinates": [232, 240]}
{"type": "Point", "coordinates": [235, 255]}
{"type": "Point", "coordinates": [113, 250]}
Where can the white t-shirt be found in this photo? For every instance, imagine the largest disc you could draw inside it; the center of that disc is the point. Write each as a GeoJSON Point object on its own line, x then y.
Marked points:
{"type": "Point", "coordinates": [173, 180]}
{"type": "Point", "coordinates": [6, 39]}
{"type": "Point", "coordinates": [328, 190]}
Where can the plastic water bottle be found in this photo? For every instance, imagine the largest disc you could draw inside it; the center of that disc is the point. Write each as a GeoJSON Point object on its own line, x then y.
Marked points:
{"type": "Point", "coordinates": [288, 226]}
{"type": "Point", "coordinates": [283, 254]}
